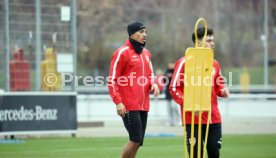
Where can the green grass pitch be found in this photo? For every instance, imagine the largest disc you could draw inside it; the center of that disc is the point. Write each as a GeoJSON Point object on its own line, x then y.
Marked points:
{"type": "Point", "coordinates": [234, 146]}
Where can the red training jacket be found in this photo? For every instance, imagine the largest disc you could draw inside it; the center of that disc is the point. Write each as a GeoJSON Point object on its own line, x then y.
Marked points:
{"type": "Point", "coordinates": [131, 77]}
{"type": "Point", "coordinates": [177, 87]}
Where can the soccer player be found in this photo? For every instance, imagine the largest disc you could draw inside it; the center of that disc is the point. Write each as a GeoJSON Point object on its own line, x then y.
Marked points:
{"type": "Point", "coordinates": [130, 83]}
{"type": "Point", "coordinates": [218, 89]}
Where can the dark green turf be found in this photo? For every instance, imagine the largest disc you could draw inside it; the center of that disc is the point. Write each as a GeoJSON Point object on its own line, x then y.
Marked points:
{"type": "Point", "coordinates": [235, 146]}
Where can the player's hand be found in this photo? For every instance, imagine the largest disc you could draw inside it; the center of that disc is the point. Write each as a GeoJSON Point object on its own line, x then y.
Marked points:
{"type": "Point", "coordinates": [121, 109]}
{"type": "Point", "coordinates": [155, 90]}
{"type": "Point", "coordinates": [225, 92]}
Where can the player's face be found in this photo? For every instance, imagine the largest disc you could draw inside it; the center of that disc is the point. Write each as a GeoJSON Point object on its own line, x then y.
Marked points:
{"type": "Point", "coordinates": [210, 43]}
{"type": "Point", "coordinates": [140, 36]}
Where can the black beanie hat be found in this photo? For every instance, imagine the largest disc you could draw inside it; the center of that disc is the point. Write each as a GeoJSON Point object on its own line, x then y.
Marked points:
{"type": "Point", "coordinates": [134, 27]}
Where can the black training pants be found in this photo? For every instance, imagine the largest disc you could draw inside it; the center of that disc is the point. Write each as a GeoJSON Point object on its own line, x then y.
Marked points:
{"type": "Point", "coordinates": [136, 122]}
{"type": "Point", "coordinates": [213, 142]}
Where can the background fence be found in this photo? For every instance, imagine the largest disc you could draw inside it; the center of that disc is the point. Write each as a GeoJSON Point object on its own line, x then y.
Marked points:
{"type": "Point", "coordinates": [35, 25]}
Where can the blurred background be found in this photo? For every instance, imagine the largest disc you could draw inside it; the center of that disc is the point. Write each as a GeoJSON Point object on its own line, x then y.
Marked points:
{"type": "Point", "coordinates": [245, 34]}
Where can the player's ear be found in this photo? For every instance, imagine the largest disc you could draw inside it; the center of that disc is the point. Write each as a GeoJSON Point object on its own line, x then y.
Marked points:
{"type": "Point", "coordinates": [199, 43]}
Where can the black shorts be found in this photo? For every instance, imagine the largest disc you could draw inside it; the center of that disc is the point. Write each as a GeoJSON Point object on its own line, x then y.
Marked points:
{"type": "Point", "coordinates": [136, 123]}
{"type": "Point", "coordinates": [213, 142]}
